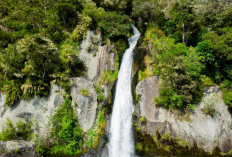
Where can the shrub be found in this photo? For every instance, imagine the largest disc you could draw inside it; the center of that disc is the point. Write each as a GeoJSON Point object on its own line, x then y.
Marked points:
{"type": "Point", "coordinates": [142, 120]}
{"type": "Point", "coordinates": [22, 131]}
{"type": "Point", "coordinates": [226, 87]}
{"type": "Point", "coordinates": [107, 77]}
{"type": "Point", "coordinates": [168, 98]}
{"type": "Point", "coordinates": [101, 97]}
{"type": "Point", "coordinates": [209, 109]}
{"type": "Point", "coordinates": [207, 81]}
{"type": "Point", "coordinates": [100, 93]}
{"type": "Point", "coordinates": [139, 146]}
{"type": "Point", "coordinates": [180, 70]}
{"type": "Point", "coordinates": [81, 29]}
{"type": "Point", "coordinates": [66, 132]}
{"type": "Point", "coordinates": [30, 65]}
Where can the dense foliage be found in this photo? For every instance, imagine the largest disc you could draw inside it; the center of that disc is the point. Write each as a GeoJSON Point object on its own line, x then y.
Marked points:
{"type": "Point", "coordinates": [66, 133]}
{"type": "Point", "coordinates": [40, 41]}
{"type": "Point", "coordinates": [189, 47]}
{"type": "Point", "coordinates": [20, 131]}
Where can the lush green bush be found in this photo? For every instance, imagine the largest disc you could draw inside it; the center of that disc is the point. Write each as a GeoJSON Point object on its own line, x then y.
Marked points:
{"type": "Point", "coordinates": [53, 19]}
{"type": "Point", "coordinates": [179, 68]}
{"type": "Point", "coordinates": [21, 131]}
{"type": "Point", "coordinates": [216, 53]}
{"type": "Point", "coordinates": [28, 67]}
{"type": "Point", "coordinates": [113, 24]}
{"type": "Point", "coordinates": [226, 87]}
{"type": "Point", "coordinates": [80, 31]}
{"type": "Point", "coordinates": [147, 11]}
{"type": "Point", "coordinates": [66, 132]}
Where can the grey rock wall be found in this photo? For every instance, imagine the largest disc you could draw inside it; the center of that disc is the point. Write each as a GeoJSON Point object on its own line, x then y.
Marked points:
{"type": "Point", "coordinates": [199, 128]}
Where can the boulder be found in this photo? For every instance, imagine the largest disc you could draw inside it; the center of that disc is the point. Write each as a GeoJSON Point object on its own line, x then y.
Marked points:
{"type": "Point", "coordinates": [198, 128]}
{"type": "Point", "coordinates": [85, 105]}
{"type": "Point", "coordinates": [17, 145]}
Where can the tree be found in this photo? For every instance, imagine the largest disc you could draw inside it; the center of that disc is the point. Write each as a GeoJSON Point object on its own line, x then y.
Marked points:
{"type": "Point", "coordinates": [182, 13]}
{"type": "Point", "coordinates": [216, 52]}
{"type": "Point", "coordinates": [147, 11]}
{"type": "Point", "coordinates": [29, 66]}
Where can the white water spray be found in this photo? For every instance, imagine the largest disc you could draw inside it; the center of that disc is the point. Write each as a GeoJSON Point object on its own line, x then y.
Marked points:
{"type": "Point", "coordinates": [121, 133]}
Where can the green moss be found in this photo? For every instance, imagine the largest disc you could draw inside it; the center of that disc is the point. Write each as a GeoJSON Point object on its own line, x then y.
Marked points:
{"type": "Point", "coordinates": [165, 136]}
{"type": "Point", "coordinates": [183, 143]}
{"type": "Point", "coordinates": [84, 92]}
{"type": "Point", "coordinates": [142, 120]}
{"type": "Point", "coordinates": [139, 147]}
{"type": "Point", "coordinates": [94, 135]}
{"type": "Point", "coordinates": [165, 145]}
{"type": "Point", "coordinates": [107, 77]}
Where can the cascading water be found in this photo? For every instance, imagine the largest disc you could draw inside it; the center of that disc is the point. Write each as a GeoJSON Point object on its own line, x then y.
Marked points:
{"type": "Point", "coordinates": [121, 133]}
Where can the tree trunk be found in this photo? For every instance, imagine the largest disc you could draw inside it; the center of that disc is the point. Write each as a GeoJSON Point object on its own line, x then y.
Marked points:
{"type": "Point", "coordinates": [187, 36]}
{"type": "Point", "coordinates": [183, 36]}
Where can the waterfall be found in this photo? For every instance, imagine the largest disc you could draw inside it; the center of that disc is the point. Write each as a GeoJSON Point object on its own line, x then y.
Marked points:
{"type": "Point", "coordinates": [121, 133]}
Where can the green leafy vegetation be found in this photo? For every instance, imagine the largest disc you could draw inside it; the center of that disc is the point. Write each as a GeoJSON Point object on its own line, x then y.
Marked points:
{"type": "Point", "coordinates": [107, 77]}
{"type": "Point", "coordinates": [188, 45]}
{"type": "Point", "coordinates": [41, 48]}
{"type": "Point", "coordinates": [209, 109]}
{"type": "Point", "coordinates": [66, 133]}
{"type": "Point", "coordinates": [142, 120]}
{"type": "Point", "coordinates": [94, 135]}
{"type": "Point", "coordinates": [181, 77]}
{"type": "Point", "coordinates": [30, 65]}
{"type": "Point", "coordinates": [20, 131]}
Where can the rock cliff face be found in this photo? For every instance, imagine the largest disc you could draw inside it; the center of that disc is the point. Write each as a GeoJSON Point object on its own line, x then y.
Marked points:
{"type": "Point", "coordinates": [40, 109]}
{"type": "Point", "coordinates": [85, 105]}
{"type": "Point", "coordinates": [37, 109]}
{"type": "Point", "coordinates": [96, 58]}
{"type": "Point", "coordinates": [198, 128]}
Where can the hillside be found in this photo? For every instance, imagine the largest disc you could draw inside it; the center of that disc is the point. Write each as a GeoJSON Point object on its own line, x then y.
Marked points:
{"type": "Point", "coordinates": [60, 64]}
